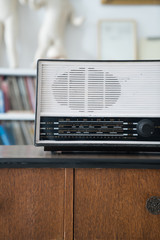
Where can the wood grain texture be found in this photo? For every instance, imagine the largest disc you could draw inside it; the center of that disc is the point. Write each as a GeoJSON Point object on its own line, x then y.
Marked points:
{"type": "Point", "coordinates": [68, 209]}
{"type": "Point", "coordinates": [131, 2]}
{"type": "Point", "coordinates": [32, 204]}
{"type": "Point", "coordinates": [111, 204]}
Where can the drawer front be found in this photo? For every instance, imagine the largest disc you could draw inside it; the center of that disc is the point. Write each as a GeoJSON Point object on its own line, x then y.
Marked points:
{"type": "Point", "coordinates": [32, 204]}
{"type": "Point", "coordinates": [117, 204]}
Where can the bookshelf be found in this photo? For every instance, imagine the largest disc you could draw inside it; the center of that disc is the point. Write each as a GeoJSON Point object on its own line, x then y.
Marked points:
{"type": "Point", "coordinates": [17, 105]}
{"type": "Point", "coordinates": [17, 72]}
{"type": "Point", "coordinates": [22, 116]}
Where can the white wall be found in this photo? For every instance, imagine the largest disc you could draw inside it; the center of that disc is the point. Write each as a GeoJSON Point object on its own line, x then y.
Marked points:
{"type": "Point", "coordinates": [81, 42]}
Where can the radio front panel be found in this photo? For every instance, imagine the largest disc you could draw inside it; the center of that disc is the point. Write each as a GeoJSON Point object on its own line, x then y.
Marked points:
{"type": "Point", "coordinates": [103, 129]}
{"type": "Point", "coordinates": [96, 102]}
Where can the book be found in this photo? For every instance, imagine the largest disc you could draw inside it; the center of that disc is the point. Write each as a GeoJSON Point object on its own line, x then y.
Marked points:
{"type": "Point", "coordinates": [2, 105]}
{"type": "Point", "coordinates": [3, 136]}
{"type": "Point", "coordinates": [23, 94]}
{"type": "Point", "coordinates": [29, 126]}
{"type": "Point", "coordinates": [18, 133]}
{"type": "Point", "coordinates": [25, 133]}
{"type": "Point", "coordinates": [31, 92]}
{"type": "Point", "coordinates": [12, 100]}
{"type": "Point", "coordinates": [17, 94]}
{"type": "Point", "coordinates": [9, 131]}
{"type": "Point", "coordinates": [5, 89]}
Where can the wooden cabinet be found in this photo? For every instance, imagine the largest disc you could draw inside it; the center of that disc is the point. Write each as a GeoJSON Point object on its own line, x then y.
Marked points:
{"type": "Point", "coordinates": [54, 203]}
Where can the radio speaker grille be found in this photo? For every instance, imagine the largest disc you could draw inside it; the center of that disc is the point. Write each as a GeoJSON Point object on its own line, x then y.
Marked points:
{"type": "Point", "coordinates": [99, 89]}
{"type": "Point", "coordinates": [103, 89]}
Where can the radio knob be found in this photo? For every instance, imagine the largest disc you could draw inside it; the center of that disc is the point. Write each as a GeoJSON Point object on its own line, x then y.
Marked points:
{"type": "Point", "coordinates": [145, 128]}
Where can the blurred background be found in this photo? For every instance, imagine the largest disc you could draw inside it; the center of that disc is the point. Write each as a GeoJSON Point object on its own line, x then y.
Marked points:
{"type": "Point", "coordinates": [109, 31]}
{"type": "Point", "coordinates": [82, 42]}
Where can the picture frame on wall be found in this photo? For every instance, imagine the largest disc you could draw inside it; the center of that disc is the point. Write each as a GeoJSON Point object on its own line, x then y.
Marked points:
{"type": "Point", "coordinates": [149, 48]}
{"type": "Point", "coordinates": [117, 39]}
{"type": "Point", "coordinates": [131, 2]}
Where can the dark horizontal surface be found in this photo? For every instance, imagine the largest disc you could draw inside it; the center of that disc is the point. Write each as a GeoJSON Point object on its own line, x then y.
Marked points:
{"type": "Point", "coordinates": [31, 156]}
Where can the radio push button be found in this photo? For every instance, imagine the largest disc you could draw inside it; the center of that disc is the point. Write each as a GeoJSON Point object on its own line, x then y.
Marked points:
{"type": "Point", "coordinates": [145, 128]}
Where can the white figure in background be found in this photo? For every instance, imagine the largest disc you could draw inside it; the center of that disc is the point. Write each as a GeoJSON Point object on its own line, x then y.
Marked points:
{"type": "Point", "coordinates": [8, 25]}
{"type": "Point", "coordinates": [51, 35]}
{"type": "Point", "coordinates": [8, 28]}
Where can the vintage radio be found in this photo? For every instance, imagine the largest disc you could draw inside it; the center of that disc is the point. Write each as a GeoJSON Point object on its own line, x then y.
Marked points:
{"type": "Point", "coordinates": [98, 105]}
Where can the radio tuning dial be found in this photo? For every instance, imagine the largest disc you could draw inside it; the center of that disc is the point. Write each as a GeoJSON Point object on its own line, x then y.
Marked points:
{"type": "Point", "coordinates": [145, 128]}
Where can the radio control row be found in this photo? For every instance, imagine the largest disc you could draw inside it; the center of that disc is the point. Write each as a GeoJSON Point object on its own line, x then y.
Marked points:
{"type": "Point", "coordinates": [79, 128]}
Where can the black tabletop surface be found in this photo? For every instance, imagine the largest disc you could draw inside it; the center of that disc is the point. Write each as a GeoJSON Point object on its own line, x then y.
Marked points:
{"type": "Point", "coordinates": [31, 156]}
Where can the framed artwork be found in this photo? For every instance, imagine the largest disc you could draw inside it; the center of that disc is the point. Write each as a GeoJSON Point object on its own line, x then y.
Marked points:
{"type": "Point", "coordinates": [117, 40]}
{"type": "Point", "coordinates": [131, 2]}
{"type": "Point", "coordinates": [149, 48]}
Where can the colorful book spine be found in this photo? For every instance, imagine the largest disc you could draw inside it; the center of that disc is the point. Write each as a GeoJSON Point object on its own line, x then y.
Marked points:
{"type": "Point", "coordinates": [5, 89]}
{"type": "Point", "coordinates": [4, 136]}
{"type": "Point", "coordinates": [2, 104]}
{"type": "Point", "coordinates": [31, 92]}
